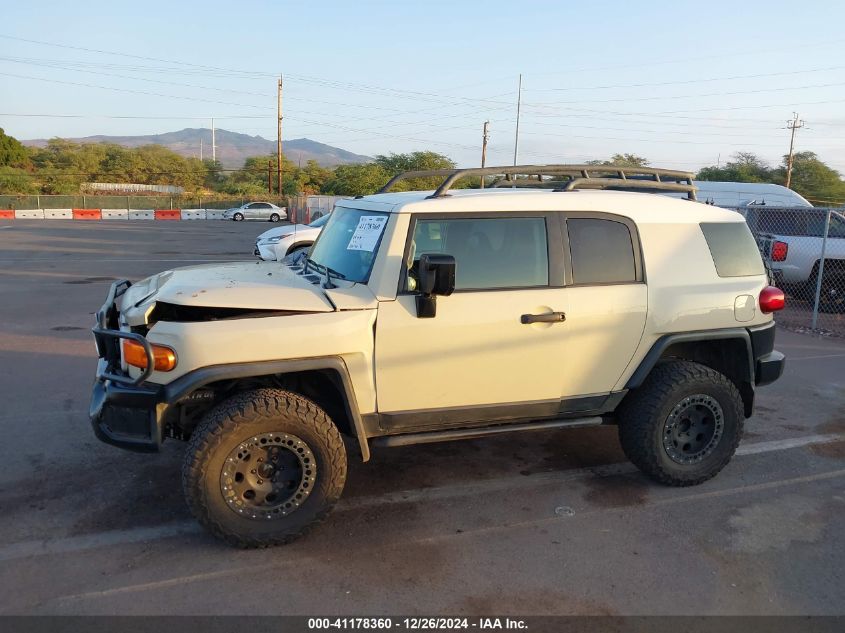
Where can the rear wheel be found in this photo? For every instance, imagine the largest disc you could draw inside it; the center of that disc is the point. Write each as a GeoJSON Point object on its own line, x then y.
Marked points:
{"type": "Point", "coordinates": [275, 217]}
{"type": "Point", "coordinates": [238, 217]}
{"type": "Point", "coordinates": [682, 426]}
{"type": "Point", "coordinates": [263, 467]}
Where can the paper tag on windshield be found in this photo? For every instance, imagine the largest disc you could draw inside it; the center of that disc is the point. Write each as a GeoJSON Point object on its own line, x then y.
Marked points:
{"type": "Point", "coordinates": [367, 233]}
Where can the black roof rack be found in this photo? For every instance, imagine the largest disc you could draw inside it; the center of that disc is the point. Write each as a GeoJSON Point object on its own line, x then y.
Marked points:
{"type": "Point", "coordinates": [562, 178]}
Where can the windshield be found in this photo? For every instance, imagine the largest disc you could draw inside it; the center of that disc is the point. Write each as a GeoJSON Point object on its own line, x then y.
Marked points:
{"type": "Point", "coordinates": [316, 224]}
{"type": "Point", "coordinates": [349, 242]}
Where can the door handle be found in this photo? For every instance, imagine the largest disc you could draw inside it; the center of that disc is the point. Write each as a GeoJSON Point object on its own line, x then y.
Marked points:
{"type": "Point", "coordinates": [549, 317]}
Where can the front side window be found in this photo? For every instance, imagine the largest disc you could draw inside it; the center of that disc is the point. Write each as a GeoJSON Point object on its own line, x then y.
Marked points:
{"type": "Point", "coordinates": [602, 251]}
{"type": "Point", "coordinates": [489, 252]}
{"type": "Point", "coordinates": [348, 243]}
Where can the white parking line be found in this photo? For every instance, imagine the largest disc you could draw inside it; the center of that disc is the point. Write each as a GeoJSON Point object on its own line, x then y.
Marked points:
{"type": "Point", "coordinates": [300, 560]}
{"type": "Point", "coordinates": [25, 549]}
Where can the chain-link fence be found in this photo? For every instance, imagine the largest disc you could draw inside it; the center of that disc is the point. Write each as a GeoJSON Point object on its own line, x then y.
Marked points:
{"type": "Point", "coordinates": [804, 249]}
{"type": "Point", "coordinates": [129, 202]}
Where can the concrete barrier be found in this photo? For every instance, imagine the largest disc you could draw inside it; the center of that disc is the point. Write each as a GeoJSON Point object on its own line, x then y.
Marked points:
{"type": "Point", "coordinates": [29, 214]}
{"type": "Point", "coordinates": [114, 214]}
{"type": "Point", "coordinates": [214, 214]}
{"type": "Point", "coordinates": [87, 214]}
{"type": "Point", "coordinates": [193, 214]}
{"type": "Point", "coordinates": [141, 214]}
{"type": "Point", "coordinates": [7, 214]}
{"type": "Point", "coordinates": [168, 214]}
{"type": "Point", "coordinates": [58, 214]}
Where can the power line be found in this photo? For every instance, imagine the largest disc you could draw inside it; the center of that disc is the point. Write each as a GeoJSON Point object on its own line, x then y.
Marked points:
{"type": "Point", "coordinates": [688, 81]}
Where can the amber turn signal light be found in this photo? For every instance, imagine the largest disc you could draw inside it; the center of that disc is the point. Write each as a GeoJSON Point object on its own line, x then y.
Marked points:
{"type": "Point", "coordinates": [164, 358]}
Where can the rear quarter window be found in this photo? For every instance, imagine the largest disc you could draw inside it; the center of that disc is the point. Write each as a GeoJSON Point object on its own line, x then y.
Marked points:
{"type": "Point", "coordinates": [733, 249]}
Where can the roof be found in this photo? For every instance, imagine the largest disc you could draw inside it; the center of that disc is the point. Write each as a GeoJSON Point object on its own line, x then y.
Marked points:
{"type": "Point", "coordinates": [643, 208]}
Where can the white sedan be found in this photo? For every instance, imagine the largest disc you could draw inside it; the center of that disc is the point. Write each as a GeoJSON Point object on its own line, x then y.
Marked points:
{"type": "Point", "coordinates": [278, 243]}
{"type": "Point", "coordinates": [256, 211]}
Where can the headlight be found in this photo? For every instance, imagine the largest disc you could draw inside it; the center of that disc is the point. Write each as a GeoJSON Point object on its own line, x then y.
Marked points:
{"type": "Point", "coordinates": [270, 240]}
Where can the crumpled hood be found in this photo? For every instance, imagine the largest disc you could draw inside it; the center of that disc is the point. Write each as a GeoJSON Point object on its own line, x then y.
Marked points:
{"type": "Point", "coordinates": [255, 285]}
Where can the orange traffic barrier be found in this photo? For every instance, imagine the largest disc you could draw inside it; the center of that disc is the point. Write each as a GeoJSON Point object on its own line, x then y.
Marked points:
{"type": "Point", "coordinates": [7, 214]}
{"type": "Point", "coordinates": [168, 214]}
{"type": "Point", "coordinates": [87, 214]}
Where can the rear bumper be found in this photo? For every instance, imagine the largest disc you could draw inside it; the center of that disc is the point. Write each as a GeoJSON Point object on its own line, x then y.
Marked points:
{"type": "Point", "coordinates": [769, 368]}
{"type": "Point", "coordinates": [768, 362]}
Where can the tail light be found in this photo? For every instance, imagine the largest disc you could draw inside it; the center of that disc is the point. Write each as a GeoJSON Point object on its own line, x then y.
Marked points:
{"type": "Point", "coordinates": [779, 251]}
{"type": "Point", "coordinates": [164, 358]}
{"type": "Point", "coordinates": [771, 299]}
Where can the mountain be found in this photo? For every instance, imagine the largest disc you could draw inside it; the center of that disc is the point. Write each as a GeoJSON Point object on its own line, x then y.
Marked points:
{"type": "Point", "coordinates": [232, 147]}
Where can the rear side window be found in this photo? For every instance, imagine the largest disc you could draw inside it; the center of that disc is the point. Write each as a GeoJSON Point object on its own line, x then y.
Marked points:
{"type": "Point", "coordinates": [733, 248]}
{"type": "Point", "coordinates": [601, 250]}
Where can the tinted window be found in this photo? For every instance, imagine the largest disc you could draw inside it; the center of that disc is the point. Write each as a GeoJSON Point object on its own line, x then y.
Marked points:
{"type": "Point", "coordinates": [488, 252]}
{"type": "Point", "coordinates": [733, 248]}
{"type": "Point", "coordinates": [602, 251]}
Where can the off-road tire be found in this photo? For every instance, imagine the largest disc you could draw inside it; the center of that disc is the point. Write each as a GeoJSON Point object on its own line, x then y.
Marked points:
{"type": "Point", "coordinates": [239, 418]}
{"type": "Point", "coordinates": [645, 411]}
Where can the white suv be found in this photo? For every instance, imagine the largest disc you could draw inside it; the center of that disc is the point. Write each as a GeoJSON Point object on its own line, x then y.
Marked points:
{"type": "Point", "coordinates": [431, 316]}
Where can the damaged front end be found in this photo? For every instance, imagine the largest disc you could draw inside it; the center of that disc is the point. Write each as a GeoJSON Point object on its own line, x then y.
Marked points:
{"type": "Point", "coordinates": [123, 411]}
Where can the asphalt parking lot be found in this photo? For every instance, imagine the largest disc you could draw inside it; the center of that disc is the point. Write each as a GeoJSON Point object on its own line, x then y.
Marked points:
{"type": "Point", "coordinates": [536, 523]}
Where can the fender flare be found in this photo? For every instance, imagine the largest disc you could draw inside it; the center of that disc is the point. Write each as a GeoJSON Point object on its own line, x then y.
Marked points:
{"type": "Point", "coordinates": [193, 380]}
{"type": "Point", "coordinates": [665, 341]}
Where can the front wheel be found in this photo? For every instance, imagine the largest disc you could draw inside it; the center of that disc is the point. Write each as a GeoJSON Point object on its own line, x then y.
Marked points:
{"type": "Point", "coordinates": [275, 217]}
{"type": "Point", "coordinates": [682, 426]}
{"type": "Point", "coordinates": [263, 467]}
{"type": "Point", "coordinates": [238, 217]}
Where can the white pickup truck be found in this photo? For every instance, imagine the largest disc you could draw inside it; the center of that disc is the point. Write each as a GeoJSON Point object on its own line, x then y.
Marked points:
{"type": "Point", "coordinates": [790, 241]}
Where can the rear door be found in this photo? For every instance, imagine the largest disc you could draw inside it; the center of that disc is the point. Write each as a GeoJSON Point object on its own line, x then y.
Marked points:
{"type": "Point", "coordinates": [607, 302]}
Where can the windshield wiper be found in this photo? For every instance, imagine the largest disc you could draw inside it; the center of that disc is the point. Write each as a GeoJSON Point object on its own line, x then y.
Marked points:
{"type": "Point", "coordinates": [329, 272]}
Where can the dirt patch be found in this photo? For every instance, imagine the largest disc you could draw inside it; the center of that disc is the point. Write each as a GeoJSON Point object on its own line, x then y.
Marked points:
{"type": "Point", "coordinates": [834, 425]}
{"type": "Point", "coordinates": [616, 491]}
{"type": "Point", "coordinates": [833, 450]}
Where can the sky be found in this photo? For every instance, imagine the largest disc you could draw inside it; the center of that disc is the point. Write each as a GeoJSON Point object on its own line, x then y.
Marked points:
{"type": "Point", "coordinates": [684, 84]}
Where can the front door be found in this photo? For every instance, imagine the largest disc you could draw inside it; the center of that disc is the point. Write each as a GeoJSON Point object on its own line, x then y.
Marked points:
{"type": "Point", "coordinates": [476, 359]}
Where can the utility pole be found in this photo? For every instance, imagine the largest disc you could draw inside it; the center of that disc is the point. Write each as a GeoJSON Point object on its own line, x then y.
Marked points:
{"type": "Point", "coordinates": [269, 176]}
{"type": "Point", "coordinates": [518, 106]}
{"type": "Point", "coordinates": [200, 149]}
{"type": "Point", "coordinates": [793, 124]}
{"type": "Point", "coordinates": [279, 141]}
{"type": "Point", "coordinates": [213, 143]}
{"type": "Point", "coordinates": [484, 138]}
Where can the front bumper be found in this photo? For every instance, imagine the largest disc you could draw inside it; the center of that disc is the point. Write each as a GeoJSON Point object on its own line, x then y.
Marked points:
{"type": "Point", "coordinates": [127, 416]}
{"type": "Point", "coordinates": [124, 411]}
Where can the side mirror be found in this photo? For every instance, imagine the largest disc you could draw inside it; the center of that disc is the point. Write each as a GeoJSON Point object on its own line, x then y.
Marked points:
{"type": "Point", "coordinates": [436, 277]}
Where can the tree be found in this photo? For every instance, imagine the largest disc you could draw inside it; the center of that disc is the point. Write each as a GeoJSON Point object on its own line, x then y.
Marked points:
{"type": "Point", "coordinates": [813, 179]}
{"type": "Point", "coordinates": [745, 167]}
{"type": "Point", "coordinates": [416, 161]}
{"type": "Point", "coordinates": [16, 181]}
{"type": "Point", "coordinates": [622, 160]}
{"type": "Point", "coordinates": [12, 153]}
{"type": "Point", "coordinates": [356, 179]}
